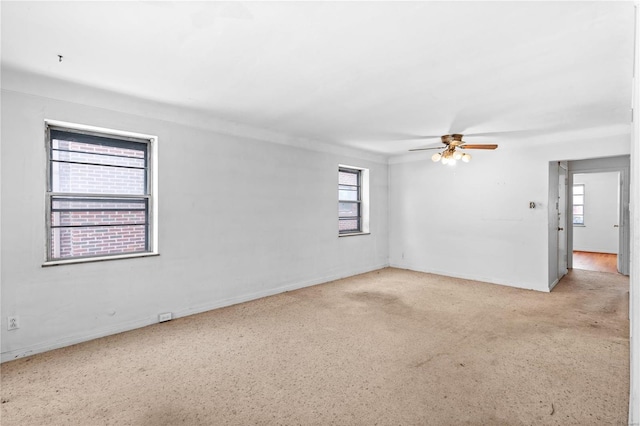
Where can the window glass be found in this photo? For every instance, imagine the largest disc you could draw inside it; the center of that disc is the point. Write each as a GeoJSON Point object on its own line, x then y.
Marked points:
{"type": "Point", "coordinates": [578, 204]}
{"type": "Point", "coordinates": [348, 225]}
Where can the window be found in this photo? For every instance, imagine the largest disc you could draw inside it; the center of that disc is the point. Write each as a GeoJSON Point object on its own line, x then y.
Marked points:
{"type": "Point", "coordinates": [578, 204]}
{"type": "Point", "coordinates": [99, 194]}
{"type": "Point", "coordinates": [349, 200]}
{"type": "Point", "coordinates": [353, 200]}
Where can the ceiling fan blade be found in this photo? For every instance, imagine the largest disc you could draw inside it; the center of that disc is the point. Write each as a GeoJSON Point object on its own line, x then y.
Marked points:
{"type": "Point", "coordinates": [503, 133]}
{"type": "Point", "coordinates": [415, 137]}
{"type": "Point", "coordinates": [488, 146]}
{"type": "Point", "coordinates": [424, 149]}
{"type": "Point", "coordinates": [461, 121]}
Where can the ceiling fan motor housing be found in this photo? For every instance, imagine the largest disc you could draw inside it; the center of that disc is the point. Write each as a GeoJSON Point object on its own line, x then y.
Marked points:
{"type": "Point", "coordinates": [455, 139]}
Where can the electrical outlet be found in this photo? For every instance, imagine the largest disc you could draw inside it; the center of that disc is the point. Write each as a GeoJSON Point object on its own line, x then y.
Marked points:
{"type": "Point", "coordinates": [13, 323]}
{"type": "Point", "coordinates": [167, 316]}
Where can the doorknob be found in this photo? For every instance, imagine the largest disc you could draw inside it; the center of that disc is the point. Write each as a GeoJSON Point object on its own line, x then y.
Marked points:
{"type": "Point", "coordinates": [560, 229]}
{"type": "Point", "coordinates": [615, 226]}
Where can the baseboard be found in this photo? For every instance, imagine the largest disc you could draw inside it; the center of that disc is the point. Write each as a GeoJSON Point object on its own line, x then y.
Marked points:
{"type": "Point", "coordinates": [273, 291]}
{"type": "Point", "coordinates": [488, 280]}
{"type": "Point", "coordinates": [143, 322]}
{"type": "Point", "coordinates": [73, 340]}
{"type": "Point", "coordinates": [553, 284]}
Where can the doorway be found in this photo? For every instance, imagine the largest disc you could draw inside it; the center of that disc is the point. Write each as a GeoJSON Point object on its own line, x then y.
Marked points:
{"type": "Point", "coordinates": [619, 226]}
{"type": "Point", "coordinates": [595, 209]}
{"type": "Point", "coordinates": [559, 235]}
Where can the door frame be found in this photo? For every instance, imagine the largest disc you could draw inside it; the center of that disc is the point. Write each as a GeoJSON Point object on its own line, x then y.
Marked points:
{"type": "Point", "coordinates": [619, 164]}
{"type": "Point", "coordinates": [554, 274]}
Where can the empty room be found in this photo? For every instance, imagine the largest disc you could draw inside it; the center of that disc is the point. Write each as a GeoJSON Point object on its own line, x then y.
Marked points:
{"type": "Point", "coordinates": [292, 213]}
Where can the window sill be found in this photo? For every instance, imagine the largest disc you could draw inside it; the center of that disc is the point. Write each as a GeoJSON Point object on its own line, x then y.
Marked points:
{"type": "Point", "coordinates": [351, 234]}
{"type": "Point", "coordinates": [97, 259]}
{"type": "Point", "coordinates": [579, 226]}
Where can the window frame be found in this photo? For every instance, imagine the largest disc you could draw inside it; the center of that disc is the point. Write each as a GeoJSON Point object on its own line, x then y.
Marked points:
{"type": "Point", "coordinates": [357, 202]}
{"type": "Point", "coordinates": [150, 196]}
{"type": "Point", "coordinates": [363, 197]}
{"type": "Point", "coordinates": [573, 204]}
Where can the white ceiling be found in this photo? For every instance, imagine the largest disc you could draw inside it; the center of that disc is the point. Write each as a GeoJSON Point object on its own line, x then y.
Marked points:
{"type": "Point", "coordinates": [369, 75]}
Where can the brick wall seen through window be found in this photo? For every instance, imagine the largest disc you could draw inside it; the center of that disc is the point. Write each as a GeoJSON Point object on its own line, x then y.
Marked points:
{"type": "Point", "coordinates": [98, 195]}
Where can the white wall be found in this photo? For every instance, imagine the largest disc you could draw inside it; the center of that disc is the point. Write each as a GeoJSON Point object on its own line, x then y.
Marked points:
{"type": "Point", "coordinates": [601, 213]}
{"type": "Point", "coordinates": [239, 218]}
{"type": "Point", "coordinates": [473, 220]}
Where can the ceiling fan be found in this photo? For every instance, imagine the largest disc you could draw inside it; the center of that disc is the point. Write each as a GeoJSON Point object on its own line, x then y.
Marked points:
{"type": "Point", "coordinates": [450, 154]}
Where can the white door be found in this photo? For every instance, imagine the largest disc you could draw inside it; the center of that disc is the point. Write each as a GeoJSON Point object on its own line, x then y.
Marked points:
{"type": "Point", "coordinates": [561, 207]}
{"type": "Point", "coordinates": [622, 247]}
{"type": "Point", "coordinates": [623, 224]}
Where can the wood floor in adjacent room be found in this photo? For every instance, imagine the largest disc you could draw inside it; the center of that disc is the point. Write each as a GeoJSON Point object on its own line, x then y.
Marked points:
{"type": "Point", "coordinates": [388, 347]}
{"type": "Point", "coordinates": [590, 261]}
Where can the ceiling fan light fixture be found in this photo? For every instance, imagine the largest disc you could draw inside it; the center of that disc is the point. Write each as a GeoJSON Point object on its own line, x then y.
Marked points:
{"type": "Point", "coordinates": [453, 150]}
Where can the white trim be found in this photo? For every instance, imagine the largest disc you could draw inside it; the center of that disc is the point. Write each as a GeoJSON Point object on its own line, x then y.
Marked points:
{"type": "Point", "coordinates": [366, 202]}
{"type": "Point", "coordinates": [153, 192]}
{"type": "Point", "coordinates": [104, 130]}
{"type": "Point", "coordinates": [634, 238]}
{"type": "Point", "coordinates": [553, 284]}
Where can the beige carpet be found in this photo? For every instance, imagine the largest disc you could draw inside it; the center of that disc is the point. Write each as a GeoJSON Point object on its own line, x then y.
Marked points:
{"type": "Point", "coordinates": [390, 347]}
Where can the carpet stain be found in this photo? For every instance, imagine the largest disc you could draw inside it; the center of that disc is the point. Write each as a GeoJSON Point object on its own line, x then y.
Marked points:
{"type": "Point", "coordinates": [374, 297]}
{"type": "Point", "coordinates": [428, 360]}
{"type": "Point", "coordinates": [380, 301]}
